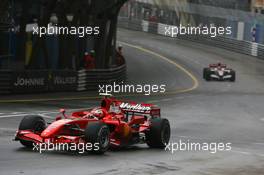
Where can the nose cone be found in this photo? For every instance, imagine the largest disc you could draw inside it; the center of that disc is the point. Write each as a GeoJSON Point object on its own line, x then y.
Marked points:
{"type": "Point", "coordinates": [221, 73]}
{"type": "Point", "coordinates": [54, 128]}
{"type": "Point", "coordinates": [47, 133]}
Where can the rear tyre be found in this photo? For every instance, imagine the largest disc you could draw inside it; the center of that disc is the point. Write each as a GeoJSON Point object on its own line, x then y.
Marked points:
{"type": "Point", "coordinates": [98, 134]}
{"type": "Point", "coordinates": [233, 78]}
{"type": "Point", "coordinates": [34, 123]}
{"type": "Point", "coordinates": [159, 134]}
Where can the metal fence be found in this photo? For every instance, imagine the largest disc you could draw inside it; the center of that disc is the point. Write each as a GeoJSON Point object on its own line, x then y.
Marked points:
{"type": "Point", "coordinates": [91, 79]}
{"type": "Point", "coordinates": [245, 25]}
{"type": "Point", "coordinates": [240, 46]}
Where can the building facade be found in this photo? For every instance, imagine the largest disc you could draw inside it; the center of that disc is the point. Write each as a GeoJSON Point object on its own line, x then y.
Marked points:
{"type": "Point", "coordinates": [228, 4]}
{"type": "Point", "coordinates": [257, 6]}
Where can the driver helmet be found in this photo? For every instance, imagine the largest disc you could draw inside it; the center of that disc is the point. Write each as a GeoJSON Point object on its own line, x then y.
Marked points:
{"type": "Point", "coordinates": [92, 52]}
{"type": "Point", "coordinates": [114, 108]}
{"type": "Point", "coordinates": [98, 112]}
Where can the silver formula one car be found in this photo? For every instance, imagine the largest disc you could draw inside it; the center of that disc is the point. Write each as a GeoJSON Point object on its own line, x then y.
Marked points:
{"type": "Point", "coordinates": [219, 72]}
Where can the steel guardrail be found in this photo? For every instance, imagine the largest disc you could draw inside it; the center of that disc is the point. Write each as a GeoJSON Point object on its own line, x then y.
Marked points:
{"type": "Point", "coordinates": [239, 46]}
{"type": "Point", "coordinates": [36, 81]}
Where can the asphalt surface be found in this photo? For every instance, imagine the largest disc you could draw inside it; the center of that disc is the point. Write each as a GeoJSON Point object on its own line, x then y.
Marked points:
{"type": "Point", "coordinates": [212, 112]}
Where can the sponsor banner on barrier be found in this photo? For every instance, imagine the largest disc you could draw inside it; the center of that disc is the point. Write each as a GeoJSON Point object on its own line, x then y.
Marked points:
{"type": "Point", "coordinates": [23, 82]}
{"type": "Point", "coordinates": [43, 81]}
{"type": "Point", "coordinates": [58, 80]}
{"type": "Point", "coordinates": [63, 81]}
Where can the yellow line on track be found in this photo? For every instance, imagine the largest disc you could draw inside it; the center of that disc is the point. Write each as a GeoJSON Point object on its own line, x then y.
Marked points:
{"type": "Point", "coordinates": [194, 79]}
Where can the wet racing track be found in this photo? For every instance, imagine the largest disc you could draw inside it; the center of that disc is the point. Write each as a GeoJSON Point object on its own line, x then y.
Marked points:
{"type": "Point", "coordinates": [211, 112]}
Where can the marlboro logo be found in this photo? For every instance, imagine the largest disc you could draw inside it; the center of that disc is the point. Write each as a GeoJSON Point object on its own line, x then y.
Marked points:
{"type": "Point", "coordinates": [135, 108]}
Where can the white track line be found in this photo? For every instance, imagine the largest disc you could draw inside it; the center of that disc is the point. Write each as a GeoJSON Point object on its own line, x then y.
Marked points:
{"type": "Point", "coordinates": [262, 144]}
{"type": "Point", "coordinates": [242, 152]}
{"type": "Point", "coordinates": [44, 113]}
{"type": "Point", "coordinates": [10, 116]}
{"type": "Point", "coordinates": [16, 113]}
{"type": "Point", "coordinates": [8, 129]}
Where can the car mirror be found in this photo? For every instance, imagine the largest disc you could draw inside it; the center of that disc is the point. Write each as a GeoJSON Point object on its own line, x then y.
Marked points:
{"type": "Point", "coordinates": [62, 111]}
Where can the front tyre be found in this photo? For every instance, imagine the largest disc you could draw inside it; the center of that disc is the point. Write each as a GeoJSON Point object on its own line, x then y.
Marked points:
{"type": "Point", "coordinates": [98, 134]}
{"type": "Point", "coordinates": [233, 76]}
{"type": "Point", "coordinates": [208, 75]}
{"type": "Point", "coordinates": [159, 134]}
{"type": "Point", "coordinates": [33, 123]}
{"type": "Point", "coordinates": [205, 72]}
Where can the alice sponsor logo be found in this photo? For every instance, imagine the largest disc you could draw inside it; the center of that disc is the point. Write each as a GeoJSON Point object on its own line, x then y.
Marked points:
{"type": "Point", "coordinates": [64, 80]}
{"type": "Point", "coordinates": [137, 107]}
{"type": "Point", "coordinates": [29, 81]}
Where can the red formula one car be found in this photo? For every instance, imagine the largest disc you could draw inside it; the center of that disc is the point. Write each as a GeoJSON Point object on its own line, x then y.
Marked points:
{"type": "Point", "coordinates": [219, 72]}
{"type": "Point", "coordinates": [114, 124]}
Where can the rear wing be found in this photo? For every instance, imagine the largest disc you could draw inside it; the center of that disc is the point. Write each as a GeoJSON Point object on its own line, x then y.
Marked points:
{"type": "Point", "coordinates": [148, 109]}
{"type": "Point", "coordinates": [132, 107]}
{"type": "Point", "coordinates": [216, 65]}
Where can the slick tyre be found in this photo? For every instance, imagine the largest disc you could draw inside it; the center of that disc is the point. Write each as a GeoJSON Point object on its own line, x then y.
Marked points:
{"type": "Point", "coordinates": [34, 123]}
{"type": "Point", "coordinates": [205, 70]}
{"type": "Point", "coordinates": [206, 74]}
{"type": "Point", "coordinates": [159, 134]}
{"type": "Point", "coordinates": [98, 134]}
{"type": "Point", "coordinates": [233, 76]}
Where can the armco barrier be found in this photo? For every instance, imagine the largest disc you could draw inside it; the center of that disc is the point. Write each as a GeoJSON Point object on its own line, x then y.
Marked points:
{"type": "Point", "coordinates": [62, 80]}
{"type": "Point", "coordinates": [244, 47]}
{"type": "Point", "coordinates": [42, 81]}
{"type": "Point", "coordinates": [5, 81]}
{"type": "Point", "coordinates": [91, 79]}
{"type": "Point", "coordinates": [261, 51]}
